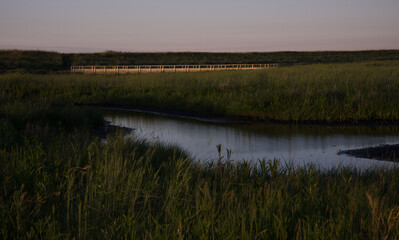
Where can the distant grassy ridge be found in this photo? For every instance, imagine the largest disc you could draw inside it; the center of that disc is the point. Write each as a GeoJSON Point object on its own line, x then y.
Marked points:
{"type": "Point", "coordinates": [40, 61]}
{"type": "Point", "coordinates": [350, 92]}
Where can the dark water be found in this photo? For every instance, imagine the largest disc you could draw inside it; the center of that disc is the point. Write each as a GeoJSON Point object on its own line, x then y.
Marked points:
{"type": "Point", "coordinates": [289, 143]}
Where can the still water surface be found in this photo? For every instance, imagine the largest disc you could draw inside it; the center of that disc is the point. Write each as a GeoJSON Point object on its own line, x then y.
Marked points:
{"type": "Point", "coordinates": [290, 143]}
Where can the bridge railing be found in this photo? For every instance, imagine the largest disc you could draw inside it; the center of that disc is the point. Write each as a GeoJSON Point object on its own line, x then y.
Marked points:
{"type": "Point", "coordinates": [120, 69]}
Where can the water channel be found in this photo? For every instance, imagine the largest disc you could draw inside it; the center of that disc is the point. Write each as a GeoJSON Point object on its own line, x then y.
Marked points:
{"type": "Point", "coordinates": [294, 144]}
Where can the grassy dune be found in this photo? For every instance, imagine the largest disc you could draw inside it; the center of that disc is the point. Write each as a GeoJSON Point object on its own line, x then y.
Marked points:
{"type": "Point", "coordinates": [350, 92]}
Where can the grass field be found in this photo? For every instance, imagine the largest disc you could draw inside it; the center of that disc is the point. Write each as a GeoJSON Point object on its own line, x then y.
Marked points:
{"type": "Point", "coordinates": [59, 181]}
{"type": "Point", "coordinates": [351, 92]}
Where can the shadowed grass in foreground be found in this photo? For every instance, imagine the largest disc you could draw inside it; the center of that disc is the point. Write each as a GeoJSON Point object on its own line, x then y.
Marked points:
{"type": "Point", "coordinates": [70, 185]}
{"type": "Point", "coordinates": [313, 93]}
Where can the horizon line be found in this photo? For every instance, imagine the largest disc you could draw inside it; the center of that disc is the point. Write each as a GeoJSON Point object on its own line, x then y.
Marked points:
{"type": "Point", "coordinates": [93, 51]}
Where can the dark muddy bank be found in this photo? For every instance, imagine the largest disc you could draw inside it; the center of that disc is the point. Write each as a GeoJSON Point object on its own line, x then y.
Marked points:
{"type": "Point", "coordinates": [382, 152]}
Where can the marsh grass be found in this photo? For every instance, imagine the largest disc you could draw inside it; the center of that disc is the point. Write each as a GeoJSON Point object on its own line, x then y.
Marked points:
{"type": "Point", "coordinates": [352, 92]}
{"type": "Point", "coordinates": [59, 181]}
{"type": "Point", "coordinates": [77, 187]}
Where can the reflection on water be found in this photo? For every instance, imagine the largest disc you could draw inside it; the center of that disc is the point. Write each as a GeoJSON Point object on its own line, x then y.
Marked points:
{"type": "Point", "coordinates": [297, 144]}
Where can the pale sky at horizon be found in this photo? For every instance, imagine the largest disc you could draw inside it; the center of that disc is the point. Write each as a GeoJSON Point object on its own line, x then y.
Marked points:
{"type": "Point", "coordinates": [218, 25]}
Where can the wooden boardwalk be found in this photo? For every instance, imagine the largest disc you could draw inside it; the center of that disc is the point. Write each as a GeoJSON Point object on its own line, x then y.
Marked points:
{"type": "Point", "coordinates": [167, 68]}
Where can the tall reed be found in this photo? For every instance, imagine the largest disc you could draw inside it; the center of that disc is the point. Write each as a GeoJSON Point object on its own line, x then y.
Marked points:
{"type": "Point", "coordinates": [75, 186]}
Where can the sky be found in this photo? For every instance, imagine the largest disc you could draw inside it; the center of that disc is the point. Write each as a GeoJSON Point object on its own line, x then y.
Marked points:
{"type": "Point", "coordinates": [206, 25]}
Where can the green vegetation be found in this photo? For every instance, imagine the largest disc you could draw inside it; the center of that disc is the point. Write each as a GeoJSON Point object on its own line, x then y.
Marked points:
{"type": "Point", "coordinates": [351, 92]}
{"type": "Point", "coordinates": [58, 180]}
{"type": "Point", "coordinates": [283, 58]}
{"type": "Point", "coordinates": [31, 61]}
{"type": "Point", "coordinates": [40, 62]}
{"type": "Point", "coordinates": [60, 184]}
